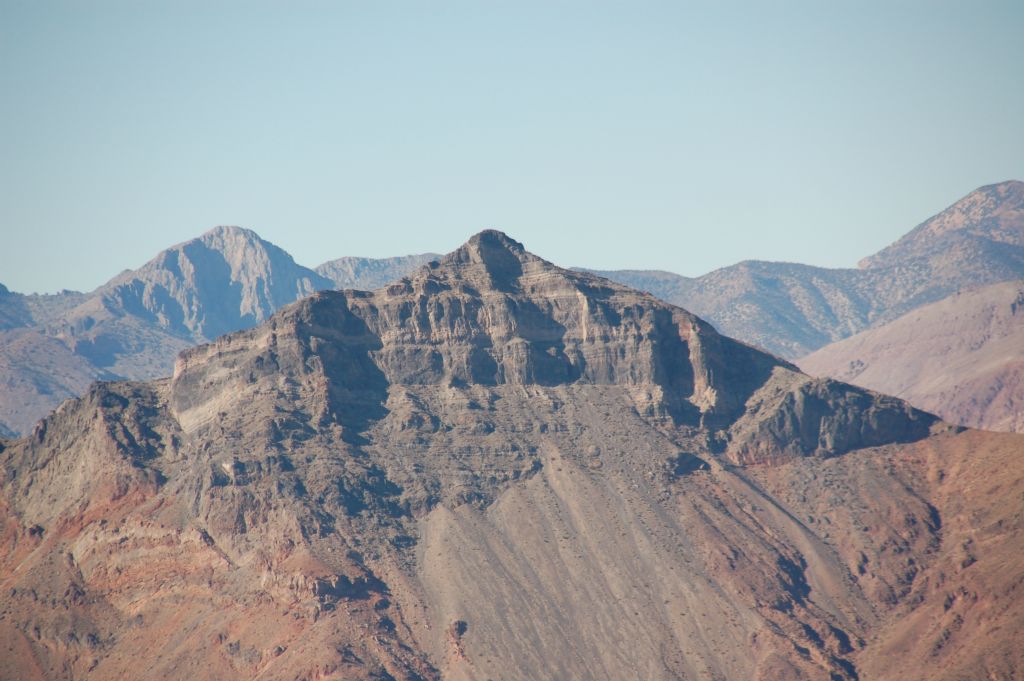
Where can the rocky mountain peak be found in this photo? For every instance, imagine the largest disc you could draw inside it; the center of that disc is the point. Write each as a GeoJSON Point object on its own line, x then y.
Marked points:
{"type": "Point", "coordinates": [491, 316]}
{"type": "Point", "coordinates": [489, 246]}
{"type": "Point", "coordinates": [492, 259]}
{"type": "Point", "coordinates": [224, 280]}
{"type": "Point", "coordinates": [230, 232]}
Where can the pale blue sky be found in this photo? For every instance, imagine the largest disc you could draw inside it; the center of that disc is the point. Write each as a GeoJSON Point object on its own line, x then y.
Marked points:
{"type": "Point", "coordinates": [678, 136]}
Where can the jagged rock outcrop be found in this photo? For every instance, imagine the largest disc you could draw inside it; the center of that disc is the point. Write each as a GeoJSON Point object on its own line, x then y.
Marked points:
{"type": "Point", "coordinates": [494, 468]}
{"type": "Point", "coordinates": [792, 416]}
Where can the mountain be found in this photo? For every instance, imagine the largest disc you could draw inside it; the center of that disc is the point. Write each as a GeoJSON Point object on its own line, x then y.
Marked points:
{"type": "Point", "coordinates": [961, 358]}
{"type": "Point", "coordinates": [992, 215]}
{"type": "Point", "coordinates": [53, 347]}
{"type": "Point", "coordinates": [229, 279]}
{"type": "Point", "coordinates": [37, 372]}
{"type": "Point", "coordinates": [369, 273]}
{"type": "Point", "coordinates": [225, 280]}
{"type": "Point", "coordinates": [785, 308]}
{"type": "Point", "coordinates": [792, 309]}
{"type": "Point", "coordinates": [497, 468]}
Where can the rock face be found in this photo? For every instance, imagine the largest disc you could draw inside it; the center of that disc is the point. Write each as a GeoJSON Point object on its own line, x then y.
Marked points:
{"type": "Point", "coordinates": [792, 309]}
{"type": "Point", "coordinates": [227, 279]}
{"type": "Point", "coordinates": [496, 468]}
{"type": "Point", "coordinates": [961, 358]}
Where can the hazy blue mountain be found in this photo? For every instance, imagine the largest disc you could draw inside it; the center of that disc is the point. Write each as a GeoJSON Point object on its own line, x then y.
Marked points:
{"type": "Point", "coordinates": [371, 273]}
{"type": "Point", "coordinates": [52, 347]}
{"type": "Point", "coordinates": [793, 309]}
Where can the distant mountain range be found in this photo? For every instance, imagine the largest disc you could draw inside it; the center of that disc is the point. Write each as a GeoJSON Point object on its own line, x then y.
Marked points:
{"type": "Point", "coordinates": [53, 346]}
{"type": "Point", "coordinates": [792, 310]}
{"type": "Point", "coordinates": [368, 273]}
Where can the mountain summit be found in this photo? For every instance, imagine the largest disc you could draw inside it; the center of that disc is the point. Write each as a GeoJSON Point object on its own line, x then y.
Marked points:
{"type": "Point", "coordinates": [52, 347]}
{"type": "Point", "coordinates": [491, 313]}
{"type": "Point", "coordinates": [225, 280]}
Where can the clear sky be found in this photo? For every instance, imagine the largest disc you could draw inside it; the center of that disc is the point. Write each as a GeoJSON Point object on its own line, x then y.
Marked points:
{"type": "Point", "coordinates": [678, 136]}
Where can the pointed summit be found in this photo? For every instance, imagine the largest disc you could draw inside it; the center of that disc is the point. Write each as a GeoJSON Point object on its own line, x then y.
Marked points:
{"type": "Point", "coordinates": [492, 314]}
{"type": "Point", "coordinates": [224, 280]}
{"type": "Point", "coordinates": [492, 259]}
{"type": "Point", "coordinates": [488, 245]}
{"type": "Point", "coordinates": [221, 281]}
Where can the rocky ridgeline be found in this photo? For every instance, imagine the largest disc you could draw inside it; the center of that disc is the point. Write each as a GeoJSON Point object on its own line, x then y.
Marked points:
{"type": "Point", "coordinates": [367, 274]}
{"type": "Point", "coordinates": [491, 314]}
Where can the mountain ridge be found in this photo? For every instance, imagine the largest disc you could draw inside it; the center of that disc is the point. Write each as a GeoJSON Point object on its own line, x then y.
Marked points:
{"type": "Point", "coordinates": [369, 273]}
{"type": "Point", "coordinates": [793, 309]}
{"type": "Point", "coordinates": [496, 467]}
{"type": "Point", "coordinates": [993, 212]}
{"type": "Point", "coordinates": [132, 326]}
